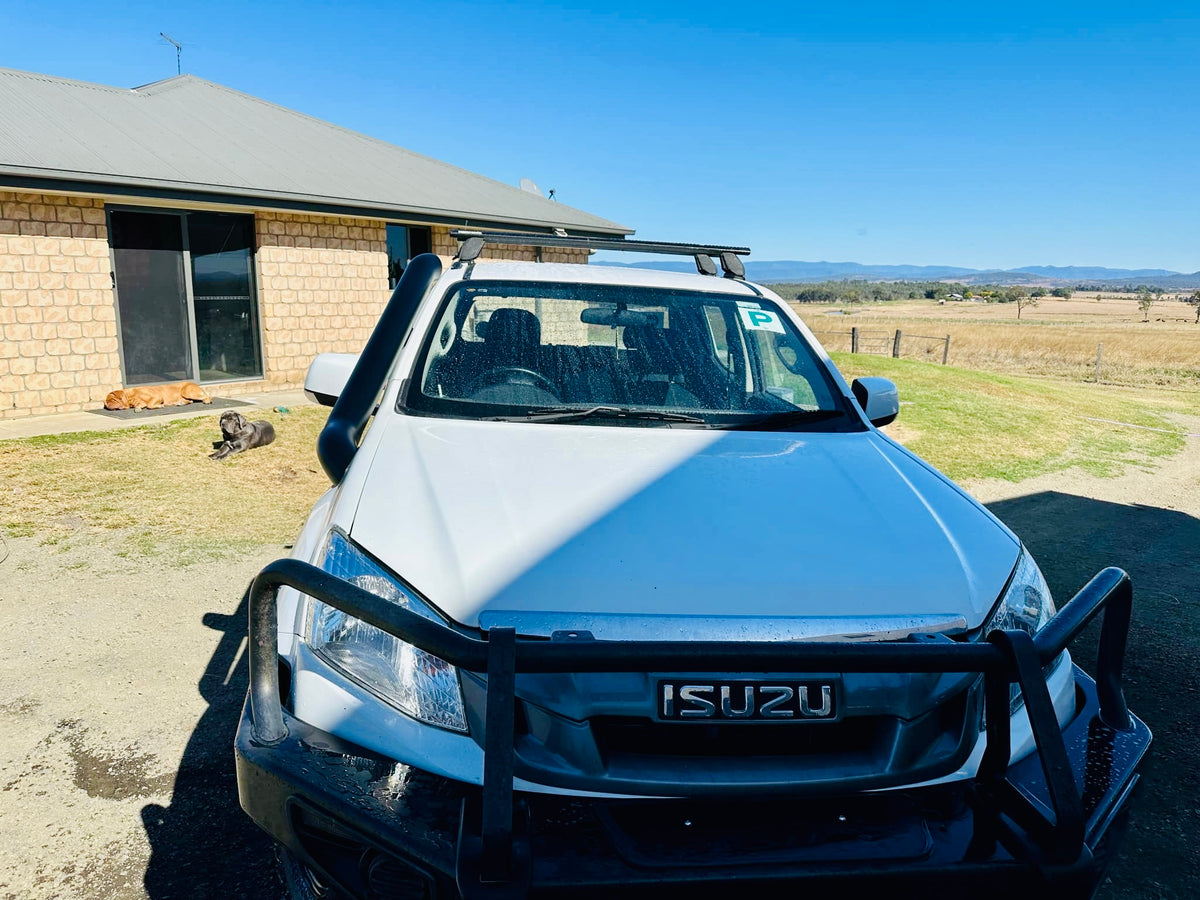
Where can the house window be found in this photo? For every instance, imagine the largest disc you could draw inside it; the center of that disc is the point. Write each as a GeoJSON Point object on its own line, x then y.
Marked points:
{"type": "Point", "coordinates": [403, 243]}
{"type": "Point", "coordinates": [185, 295]}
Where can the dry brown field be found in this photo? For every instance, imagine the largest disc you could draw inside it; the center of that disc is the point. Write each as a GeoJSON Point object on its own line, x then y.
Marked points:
{"type": "Point", "coordinates": [1057, 337]}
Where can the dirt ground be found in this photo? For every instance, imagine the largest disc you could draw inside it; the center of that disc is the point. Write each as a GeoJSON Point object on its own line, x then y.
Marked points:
{"type": "Point", "coordinates": [1148, 523]}
{"type": "Point", "coordinates": [121, 680]}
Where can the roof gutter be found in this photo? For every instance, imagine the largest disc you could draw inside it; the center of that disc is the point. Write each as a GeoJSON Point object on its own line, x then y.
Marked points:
{"type": "Point", "coordinates": [32, 180]}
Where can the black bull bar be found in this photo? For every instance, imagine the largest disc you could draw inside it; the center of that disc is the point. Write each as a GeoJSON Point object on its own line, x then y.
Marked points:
{"type": "Point", "coordinates": [491, 848]}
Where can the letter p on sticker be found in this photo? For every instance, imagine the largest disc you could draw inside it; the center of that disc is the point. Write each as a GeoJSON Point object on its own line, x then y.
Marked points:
{"type": "Point", "coordinates": [760, 320]}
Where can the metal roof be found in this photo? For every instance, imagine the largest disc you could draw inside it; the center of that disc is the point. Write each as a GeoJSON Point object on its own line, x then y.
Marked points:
{"type": "Point", "coordinates": [191, 138]}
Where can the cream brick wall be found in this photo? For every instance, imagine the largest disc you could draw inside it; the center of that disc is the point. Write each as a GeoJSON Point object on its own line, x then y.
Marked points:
{"type": "Point", "coordinates": [446, 246]}
{"type": "Point", "coordinates": [322, 283]}
{"type": "Point", "coordinates": [58, 323]}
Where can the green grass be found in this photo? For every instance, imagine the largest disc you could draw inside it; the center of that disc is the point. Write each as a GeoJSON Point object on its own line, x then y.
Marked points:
{"type": "Point", "coordinates": [974, 424]}
{"type": "Point", "coordinates": [155, 489]}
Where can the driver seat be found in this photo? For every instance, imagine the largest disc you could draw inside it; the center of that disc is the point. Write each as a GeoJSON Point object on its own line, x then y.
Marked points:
{"type": "Point", "coordinates": [513, 339]}
{"type": "Point", "coordinates": [654, 365]}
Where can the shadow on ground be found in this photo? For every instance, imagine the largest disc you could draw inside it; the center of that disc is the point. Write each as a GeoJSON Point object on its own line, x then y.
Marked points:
{"type": "Point", "coordinates": [202, 846]}
{"type": "Point", "coordinates": [1072, 538]}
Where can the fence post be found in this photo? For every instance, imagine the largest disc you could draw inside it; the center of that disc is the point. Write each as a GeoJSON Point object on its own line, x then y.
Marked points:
{"type": "Point", "coordinates": [896, 345]}
{"type": "Point", "coordinates": [946, 351]}
{"type": "Point", "coordinates": [854, 339]}
{"type": "Point", "coordinates": [1099, 359]}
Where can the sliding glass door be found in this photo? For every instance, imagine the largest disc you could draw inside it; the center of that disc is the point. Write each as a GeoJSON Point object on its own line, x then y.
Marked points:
{"type": "Point", "coordinates": [185, 295]}
{"type": "Point", "coordinates": [152, 296]}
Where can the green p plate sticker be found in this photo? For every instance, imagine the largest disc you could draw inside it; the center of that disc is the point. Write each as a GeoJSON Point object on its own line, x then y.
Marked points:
{"type": "Point", "coordinates": [760, 320]}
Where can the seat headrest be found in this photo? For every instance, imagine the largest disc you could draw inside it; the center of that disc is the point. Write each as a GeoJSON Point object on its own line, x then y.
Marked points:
{"type": "Point", "coordinates": [514, 328]}
{"type": "Point", "coordinates": [647, 338]}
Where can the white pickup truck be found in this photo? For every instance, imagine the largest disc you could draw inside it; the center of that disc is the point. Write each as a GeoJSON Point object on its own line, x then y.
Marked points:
{"type": "Point", "coordinates": [624, 590]}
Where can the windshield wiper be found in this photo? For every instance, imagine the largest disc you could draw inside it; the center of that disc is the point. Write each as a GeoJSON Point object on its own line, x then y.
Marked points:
{"type": "Point", "coordinates": [772, 421]}
{"type": "Point", "coordinates": [575, 414]}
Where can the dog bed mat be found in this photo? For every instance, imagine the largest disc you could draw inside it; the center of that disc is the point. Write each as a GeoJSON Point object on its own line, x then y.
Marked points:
{"type": "Point", "coordinates": [217, 403]}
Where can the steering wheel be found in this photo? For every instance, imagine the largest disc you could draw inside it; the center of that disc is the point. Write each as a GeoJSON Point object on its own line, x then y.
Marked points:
{"type": "Point", "coordinates": [527, 376]}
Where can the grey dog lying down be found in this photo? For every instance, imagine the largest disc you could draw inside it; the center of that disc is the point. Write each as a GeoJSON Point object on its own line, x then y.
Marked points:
{"type": "Point", "coordinates": [241, 434]}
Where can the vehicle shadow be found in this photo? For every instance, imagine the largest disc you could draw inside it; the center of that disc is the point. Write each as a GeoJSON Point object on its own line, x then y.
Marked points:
{"type": "Point", "coordinates": [202, 845]}
{"type": "Point", "coordinates": [1074, 537]}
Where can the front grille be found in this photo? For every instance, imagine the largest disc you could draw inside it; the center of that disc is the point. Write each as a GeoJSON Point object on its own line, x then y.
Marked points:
{"type": "Point", "coordinates": [894, 729]}
{"type": "Point", "coordinates": [627, 736]}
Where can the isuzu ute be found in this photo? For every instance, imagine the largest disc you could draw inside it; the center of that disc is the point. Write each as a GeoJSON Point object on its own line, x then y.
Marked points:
{"type": "Point", "coordinates": [620, 591]}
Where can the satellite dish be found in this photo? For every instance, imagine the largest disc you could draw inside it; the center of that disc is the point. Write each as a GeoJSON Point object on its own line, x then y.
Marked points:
{"type": "Point", "coordinates": [528, 184]}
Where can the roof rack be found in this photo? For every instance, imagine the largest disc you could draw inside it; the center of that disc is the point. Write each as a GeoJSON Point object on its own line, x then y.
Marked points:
{"type": "Point", "coordinates": [473, 242]}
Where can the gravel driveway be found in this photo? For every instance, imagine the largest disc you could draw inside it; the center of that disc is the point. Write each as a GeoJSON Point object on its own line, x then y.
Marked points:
{"type": "Point", "coordinates": [121, 679]}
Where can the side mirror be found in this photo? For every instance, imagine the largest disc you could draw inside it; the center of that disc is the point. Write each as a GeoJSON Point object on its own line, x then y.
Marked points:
{"type": "Point", "coordinates": [327, 376]}
{"type": "Point", "coordinates": [878, 398]}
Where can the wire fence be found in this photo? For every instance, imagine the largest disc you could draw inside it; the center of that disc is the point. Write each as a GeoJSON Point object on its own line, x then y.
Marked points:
{"type": "Point", "coordinates": [880, 342]}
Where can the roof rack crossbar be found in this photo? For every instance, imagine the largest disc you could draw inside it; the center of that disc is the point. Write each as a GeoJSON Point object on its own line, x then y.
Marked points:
{"type": "Point", "coordinates": [595, 243]}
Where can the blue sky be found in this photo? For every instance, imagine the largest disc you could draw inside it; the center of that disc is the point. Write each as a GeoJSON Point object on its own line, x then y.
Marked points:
{"type": "Point", "coordinates": [986, 136]}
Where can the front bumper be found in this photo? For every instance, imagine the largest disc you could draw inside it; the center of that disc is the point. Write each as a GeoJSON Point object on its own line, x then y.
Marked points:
{"type": "Point", "coordinates": [1044, 824]}
{"type": "Point", "coordinates": [359, 819]}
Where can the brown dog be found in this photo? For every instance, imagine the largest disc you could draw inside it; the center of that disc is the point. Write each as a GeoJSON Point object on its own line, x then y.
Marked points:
{"type": "Point", "coordinates": [241, 434]}
{"type": "Point", "coordinates": [157, 396]}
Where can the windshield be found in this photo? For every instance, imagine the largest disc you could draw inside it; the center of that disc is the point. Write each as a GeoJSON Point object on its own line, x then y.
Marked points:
{"type": "Point", "coordinates": [612, 354]}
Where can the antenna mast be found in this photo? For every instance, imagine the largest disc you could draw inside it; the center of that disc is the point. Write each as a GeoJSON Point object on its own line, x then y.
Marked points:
{"type": "Point", "coordinates": [178, 52]}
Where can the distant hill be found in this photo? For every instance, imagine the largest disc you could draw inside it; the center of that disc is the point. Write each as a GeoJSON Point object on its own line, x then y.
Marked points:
{"type": "Point", "coordinates": [796, 271]}
{"type": "Point", "coordinates": [791, 270]}
{"type": "Point", "coordinates": [1087, 273]}
{"type": "Point", "coordinates": [1174, 282]}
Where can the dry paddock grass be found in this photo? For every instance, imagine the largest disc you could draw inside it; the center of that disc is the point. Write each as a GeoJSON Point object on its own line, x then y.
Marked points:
{"type": "Point", "coordinates": [1059, 338]}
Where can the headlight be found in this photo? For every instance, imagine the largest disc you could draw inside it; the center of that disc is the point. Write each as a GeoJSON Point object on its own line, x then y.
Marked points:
{"type": "Point", "coordinates": [415, 682]}
{"type": "Point", "coordinates": [1026, 605]}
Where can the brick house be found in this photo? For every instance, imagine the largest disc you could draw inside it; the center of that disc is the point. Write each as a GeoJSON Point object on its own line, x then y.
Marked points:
{"type": "Point", "coordinates": [184, 230]}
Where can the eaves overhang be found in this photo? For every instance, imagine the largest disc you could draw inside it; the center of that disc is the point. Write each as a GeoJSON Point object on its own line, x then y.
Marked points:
{"type": "Point", "coordinates": [32, 180]}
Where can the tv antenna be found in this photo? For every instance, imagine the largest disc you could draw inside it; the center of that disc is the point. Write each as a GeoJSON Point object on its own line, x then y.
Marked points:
{"type": "Point", "coordinates": [178, 51]}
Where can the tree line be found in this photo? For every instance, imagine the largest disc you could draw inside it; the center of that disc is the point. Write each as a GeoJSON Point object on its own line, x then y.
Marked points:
{"type": "Point", "coordinates": [883, 291]}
